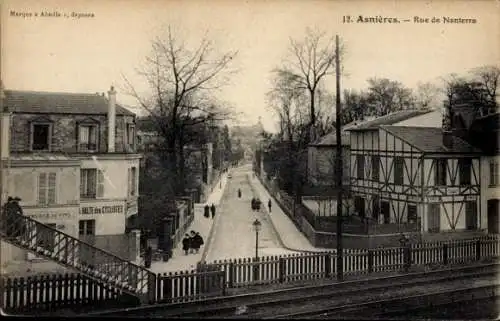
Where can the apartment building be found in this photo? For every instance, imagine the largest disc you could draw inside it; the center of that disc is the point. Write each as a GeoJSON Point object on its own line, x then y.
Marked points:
{"type": "Point", "coordinates": [72, 160]}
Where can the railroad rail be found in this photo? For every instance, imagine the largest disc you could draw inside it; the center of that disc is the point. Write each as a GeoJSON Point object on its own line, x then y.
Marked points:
{"type": "Point", "coordinates": [379, 309]}
{"type": "Point", "coordinates": [272, 303]}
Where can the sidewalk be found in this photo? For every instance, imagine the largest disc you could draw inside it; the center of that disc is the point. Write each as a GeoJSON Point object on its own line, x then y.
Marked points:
{"type": "Point", "coordinates": [180, 261]}
{"type": "Point", "coordinates": [290, 236]}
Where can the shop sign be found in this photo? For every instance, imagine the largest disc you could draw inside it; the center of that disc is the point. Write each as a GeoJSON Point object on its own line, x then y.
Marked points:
{"type": "Point", "coordinates": [52, 216]}
{"type": "Point", "coordinates": [102, 209]}
{"type": "Point", "coordinates": [131, 208]}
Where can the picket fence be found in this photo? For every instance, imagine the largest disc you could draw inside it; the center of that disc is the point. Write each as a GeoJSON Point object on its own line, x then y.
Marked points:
{"type": "Point", "coordinates": [51, 292]}
{"type": "Point", "coordinates": [213, 279]}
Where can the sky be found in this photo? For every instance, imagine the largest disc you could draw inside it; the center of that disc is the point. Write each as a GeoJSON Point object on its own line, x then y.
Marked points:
{"type": "Point", "coordinates": [89, 54]}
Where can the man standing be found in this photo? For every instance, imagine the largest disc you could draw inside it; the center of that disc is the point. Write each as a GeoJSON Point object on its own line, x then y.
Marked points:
{"type": "Point", "coordinates": [148, 257]}
{"type": "Point", "coordinates": [213, 210]}
{"type": "Point", "coordinates": [186, 244]}
{"type": "Point", "coordinates": [269, 204]}
{"type": "Point", "coordinates": [207, 211]}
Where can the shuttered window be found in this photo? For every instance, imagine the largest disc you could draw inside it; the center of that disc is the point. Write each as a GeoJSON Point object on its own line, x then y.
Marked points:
{"type": "Point", "coordinates": [399, 170]}
{"type": "Point", "coordinates": [132, 181]}
{"type": "Point", "coordinates": [91, 183]}
{"type": "Point", "coordinates": [360, 163]}
{"type": "Point", "coordinates": [46, 188]}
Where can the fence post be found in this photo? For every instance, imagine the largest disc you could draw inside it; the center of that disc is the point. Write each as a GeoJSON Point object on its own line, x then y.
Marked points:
{"type": "Point", "coordinates": [256, 269]}
{"type": "Point", "coordinates": [445, 254]}
{"type": "Point", "coordinates": [370, 261]}
{"type": "Point", "coordinates": [281, 270]}
{"type": "Point", "coordinates": [230, 275]}
{"type": "Point", "coordinates": [328, 266]}
{"type": "Point", "coordinates": [407, 257]}
{"type": "Point", "coordinates": [478, 250]}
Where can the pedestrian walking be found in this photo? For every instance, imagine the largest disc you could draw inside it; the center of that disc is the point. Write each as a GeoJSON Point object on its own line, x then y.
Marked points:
{"type": "Point", "coordinates": [213, 210]}
{"type": "Point", "coordinates": [239, 193]}
{"type": "Point", "coordinates": [148, 257]}
{"type": "Point", "coordinates": [269, 204]}
{"type": "Point", "coordinates": [186, 244]}
{"type": "Point", "coordinates": [198, 242]}
{"type": "Point", "coordinates": [207, 211]}
{"type": "Point", "coordinates": [191, 241]}
{"type": "Point", "coordinates": [253, 204]}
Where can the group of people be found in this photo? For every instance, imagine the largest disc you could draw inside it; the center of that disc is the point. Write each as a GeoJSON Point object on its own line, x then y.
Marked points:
{"type": "Point", "coordinates": [208, 210]}
{"type": "Point", "coordinates": [192, 243]}
{"type": "Point", "coordinates": [13, 225]}
{"type": "Point", "coordinates": [256, 202]}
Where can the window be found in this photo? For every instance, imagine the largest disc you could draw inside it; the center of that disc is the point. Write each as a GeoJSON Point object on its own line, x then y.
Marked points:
{"type": "Point", "coordinates": [46, 188]}
{"type": "Point", "coordinates": [385, 209]}
{"type": "Point", "coordinates": [359, 206]}
{"type": "Point", "coordinates": [132, 181]}
{"type": "Point", "coordinates": [86, 227]}
{"type": "Point", "coordinates": [375, 167]}
{"type": "Point", "coordinates": [412, 213]}
{"type": "Point", "coordinates": [91, 183]}
{"type": "Point", "coordinates": [434, 218]}
{"type": "Point", "coordinates": [360, 161]}
{"type": "Point", "coordinates": [131, 134]}
{"type": "Point", "coordinates": [87, 138]}
{"type": "Point", "coordinates": [398, 170]}
{"type": "Point", "coordinates": [465, 166]}
{"type": "Point", "coordinates": [471, 215]}
{"type": "Point", "coordinates": [494, 177]}
{"type": "Point", "coordinates": [440, 171]}
{"type": "Point", "coordinates": [40, 137]}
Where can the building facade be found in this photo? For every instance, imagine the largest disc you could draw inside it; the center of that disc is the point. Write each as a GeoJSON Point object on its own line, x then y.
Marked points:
{"type": "Point", "coordinates": [73, 161]}
{"type": "Point", "coordinates": [424, 179]}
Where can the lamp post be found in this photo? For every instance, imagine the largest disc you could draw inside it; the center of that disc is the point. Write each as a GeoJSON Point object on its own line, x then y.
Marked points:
{"type": "Point", "coordinates": [256, 225]}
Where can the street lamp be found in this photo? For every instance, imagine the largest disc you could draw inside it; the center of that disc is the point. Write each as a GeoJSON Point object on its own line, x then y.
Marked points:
{"type": "Point", "coordinates": [256, 225]}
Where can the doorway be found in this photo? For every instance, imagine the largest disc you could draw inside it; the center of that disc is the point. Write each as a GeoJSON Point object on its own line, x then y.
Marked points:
{"type": "Point", "coordinates": [493, 221]}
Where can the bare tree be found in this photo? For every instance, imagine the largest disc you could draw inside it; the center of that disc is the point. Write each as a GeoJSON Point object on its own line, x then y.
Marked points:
{"type": "Point", "coordinates": [387, 96]}
{"type": "Point", "coordinates": [181, 84]}
{"type": "Point", "coordinates": [489, 77]}
{"type": "Point", "coordinates": [426, 95]}
{"type": "Point", "coordinates": [310, 61]}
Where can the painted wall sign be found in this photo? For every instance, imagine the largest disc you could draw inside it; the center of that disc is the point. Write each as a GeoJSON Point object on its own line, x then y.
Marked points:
{"type": "Point", "coordinates": [453, 190]}
{"type": "Point", "coordinates": [470, 197]}
{"type": "Point", "coordinates": [113, 209]}
{"type": "Point", "coordinates": [49, 215]}
{"type": "Point", "coordinates": [131, 208]}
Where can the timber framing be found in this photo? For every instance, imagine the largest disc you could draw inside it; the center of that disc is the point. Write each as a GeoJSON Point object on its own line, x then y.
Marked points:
{"type": "Point", "coordinates": [442, 186]}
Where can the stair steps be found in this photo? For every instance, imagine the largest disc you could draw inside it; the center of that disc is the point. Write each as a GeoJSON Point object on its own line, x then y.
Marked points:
{"type": "Point", "coordinates": [52, 244]}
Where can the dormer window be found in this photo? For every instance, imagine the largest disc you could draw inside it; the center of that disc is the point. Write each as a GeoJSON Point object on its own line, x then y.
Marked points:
{"type": "Point", "coordinates": [88, 133]}
{"type": "Point", "coordinates": [41, 134]}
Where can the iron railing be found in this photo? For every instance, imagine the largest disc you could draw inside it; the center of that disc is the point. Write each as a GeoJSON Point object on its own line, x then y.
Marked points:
{"type": "Point", "coordinates": [72, 252]}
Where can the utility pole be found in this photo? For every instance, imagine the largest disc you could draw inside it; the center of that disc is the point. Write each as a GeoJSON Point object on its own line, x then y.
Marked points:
{"type": "Point", "coordinates": [340, 263]}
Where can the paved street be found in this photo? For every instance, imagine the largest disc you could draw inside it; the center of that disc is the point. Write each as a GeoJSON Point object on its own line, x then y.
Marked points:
{"type": "Point", "coordinates": [234, 236]}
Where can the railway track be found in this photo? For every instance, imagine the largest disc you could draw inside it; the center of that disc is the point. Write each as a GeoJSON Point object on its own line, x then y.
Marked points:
{"type": "Point", "coordinates": [380, 309]}
{"type": "Point", "coordinates": [307, 299]}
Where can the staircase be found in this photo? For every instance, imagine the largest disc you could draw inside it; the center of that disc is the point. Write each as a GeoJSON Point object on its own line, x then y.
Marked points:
{"type": "Point", "coordinates": [49, 243]}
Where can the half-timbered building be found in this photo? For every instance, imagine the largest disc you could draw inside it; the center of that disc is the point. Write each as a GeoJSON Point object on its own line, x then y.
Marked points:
{"type": "Point", "coordinates": [416, 178]}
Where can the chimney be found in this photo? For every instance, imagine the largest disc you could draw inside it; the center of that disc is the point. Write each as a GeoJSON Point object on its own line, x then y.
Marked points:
{"type": "Point", "coordinates": [447, 125]}
{"type": "Point", "coordinates": [111, 119]}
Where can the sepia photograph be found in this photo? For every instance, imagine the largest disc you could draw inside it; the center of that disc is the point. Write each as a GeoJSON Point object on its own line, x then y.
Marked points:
{"type": "Point", "coordinates": [264, 159]}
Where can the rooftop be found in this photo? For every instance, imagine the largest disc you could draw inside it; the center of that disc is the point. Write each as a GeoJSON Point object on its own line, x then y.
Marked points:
{"type": "Point", "coordinates": [430, 139]}
{"type": "Point", "coordinates": [59, 103]}
{"type": "Point", "coordinates": [389, 119]}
